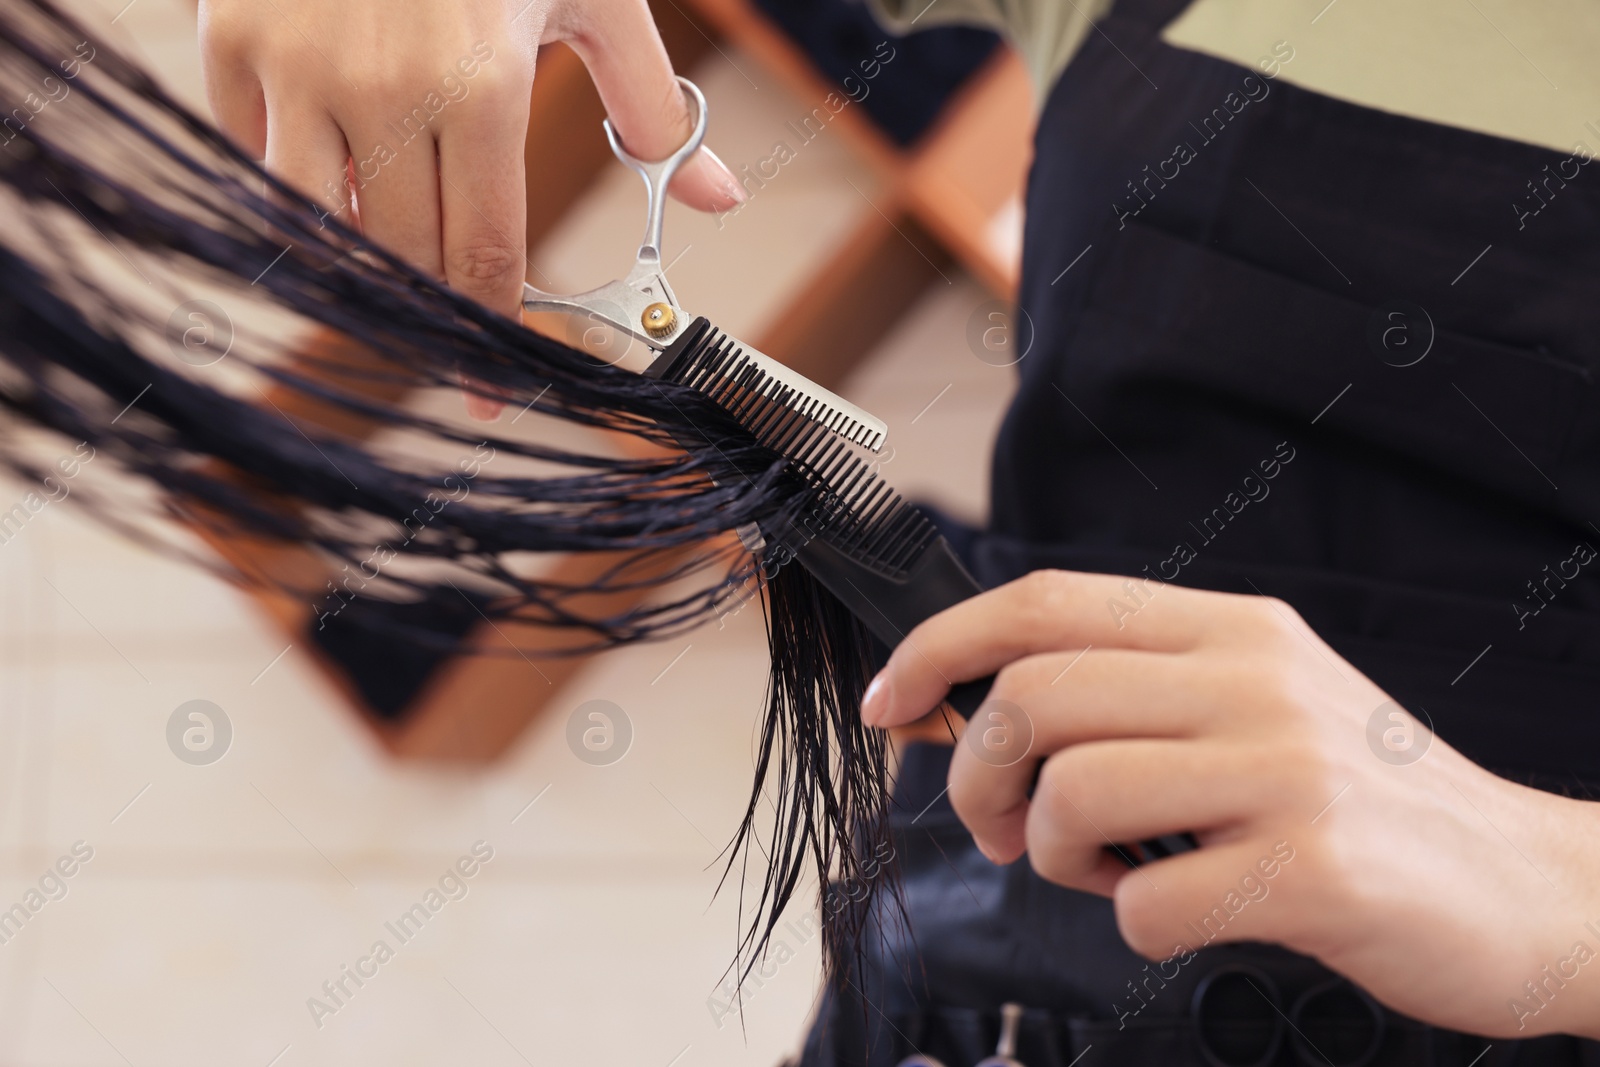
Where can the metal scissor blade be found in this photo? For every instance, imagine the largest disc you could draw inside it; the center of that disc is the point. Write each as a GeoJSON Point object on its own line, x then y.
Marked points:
{"type": "Point", "coordinates": [621, 304]}
{"type": "Point", "coordinates": [749, 384]}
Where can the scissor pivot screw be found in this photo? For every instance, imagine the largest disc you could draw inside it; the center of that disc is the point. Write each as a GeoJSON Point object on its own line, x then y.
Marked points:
{"type": "Point", "coordinates": [658, 320]}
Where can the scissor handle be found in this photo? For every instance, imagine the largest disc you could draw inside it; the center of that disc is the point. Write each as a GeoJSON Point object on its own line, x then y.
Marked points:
{"type": "Point", "coordinates": [657, 175]}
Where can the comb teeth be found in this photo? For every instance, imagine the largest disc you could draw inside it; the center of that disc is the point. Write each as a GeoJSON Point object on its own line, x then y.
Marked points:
{"type": "Point", "coordinates": [855, 511]}
{"type": "Point", "coordinates": [746, 383]}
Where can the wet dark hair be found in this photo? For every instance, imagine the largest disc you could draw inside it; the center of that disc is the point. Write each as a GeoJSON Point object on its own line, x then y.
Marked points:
{"type": "Point", "coordinates": [140, 244]}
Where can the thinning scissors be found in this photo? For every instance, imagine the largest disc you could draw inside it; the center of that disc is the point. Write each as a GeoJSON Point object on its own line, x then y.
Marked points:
{"type": "Point", "coordinates": [642, 306]}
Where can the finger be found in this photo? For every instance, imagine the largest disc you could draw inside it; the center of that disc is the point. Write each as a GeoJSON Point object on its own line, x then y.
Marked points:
{"type": "Point", "coordinates": [1044, 704]}
{"type": "Point", "coordinates": [306, 150]}
{"type": "Point", "coordinates": [705, 183]}
{"type": "Point", "coordinates": [397, 188]}
{"type": "Point", "coordinates": [1098, 696]}
{"type": "Point", "coordinates": [622, 49]}
{"type": "Point", "coordinates": [238, 103]}
{"type": "Point", "coordinates": [232, 88]}
{"type": "Point", "coordinates": [479, 397]}
{"type": "Point", "coordinates": [1217, 894]}
{"type": "Point", "coordinates": [1042, 612]}
{"type": "Point", "coordinates": [1115, 792]}
{"type": "Point", "coordinates": [1107, 693]}
{"type": "Point", "coordinates": [483, 197]}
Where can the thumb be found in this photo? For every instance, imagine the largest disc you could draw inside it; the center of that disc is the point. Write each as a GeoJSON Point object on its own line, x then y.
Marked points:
{"type": "Point", "coordinates": [619, 44]}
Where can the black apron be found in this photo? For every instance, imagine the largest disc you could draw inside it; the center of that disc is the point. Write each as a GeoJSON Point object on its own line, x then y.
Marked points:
{"type": "Point", "coordinates": [1218, 275]}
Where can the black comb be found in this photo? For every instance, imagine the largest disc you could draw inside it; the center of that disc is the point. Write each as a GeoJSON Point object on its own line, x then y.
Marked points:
{"type": "Point", "coordinates": [879, 555]}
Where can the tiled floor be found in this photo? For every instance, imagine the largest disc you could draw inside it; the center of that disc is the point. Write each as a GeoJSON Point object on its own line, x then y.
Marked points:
{"type": "Point", "coordinates": [220, 898]}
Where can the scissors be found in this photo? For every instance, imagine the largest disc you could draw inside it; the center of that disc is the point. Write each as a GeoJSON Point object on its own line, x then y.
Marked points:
{"type": "Point", "coordinates": [1005, 1051]}
{"type": "Point", "coordinates": [642, 306]}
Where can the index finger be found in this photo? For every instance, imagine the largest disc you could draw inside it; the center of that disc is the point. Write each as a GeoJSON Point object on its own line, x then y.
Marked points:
{"type": "Point", "coordinates": [1042, 612]}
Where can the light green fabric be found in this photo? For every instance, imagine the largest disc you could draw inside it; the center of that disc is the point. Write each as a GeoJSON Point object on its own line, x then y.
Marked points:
{"type": "Point", "coordinates": [1514, 69]}
{"type": "Point", "coordinates": [1045, 33]}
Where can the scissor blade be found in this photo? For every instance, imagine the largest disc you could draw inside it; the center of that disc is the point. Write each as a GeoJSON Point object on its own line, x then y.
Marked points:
{"type": "Point", "coordinates": [749, 384]}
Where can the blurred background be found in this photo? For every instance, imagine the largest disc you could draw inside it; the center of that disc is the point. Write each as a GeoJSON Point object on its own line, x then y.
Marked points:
{"type": "Point", "coordinates": [235, 877]}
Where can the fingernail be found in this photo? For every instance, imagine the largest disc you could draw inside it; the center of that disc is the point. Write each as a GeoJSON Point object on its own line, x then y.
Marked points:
{"type": "Point", "coordinates": [726, 180]}
{"type": "Point", "coordinates": [482, 408]}
{"type": "Point", "coordinates": [875, 703]}
{"type": "Point", "coordinates": [990, 856]}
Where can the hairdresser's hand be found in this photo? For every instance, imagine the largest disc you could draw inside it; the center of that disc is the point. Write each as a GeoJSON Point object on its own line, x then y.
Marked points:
{"type": "Point", "coordinates": [1435, 885]}
{"type": "Point", "coordinates": [422, 109]}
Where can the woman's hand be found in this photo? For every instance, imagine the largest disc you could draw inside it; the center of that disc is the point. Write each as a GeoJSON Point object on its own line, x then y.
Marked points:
{"type": "Point", "coordinates": [1330, 821]}
{"type": "Point", "coordinates": [421, 109]}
